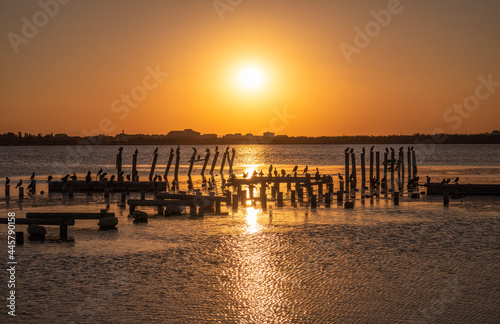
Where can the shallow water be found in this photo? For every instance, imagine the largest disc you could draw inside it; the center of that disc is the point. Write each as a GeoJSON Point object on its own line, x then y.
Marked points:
{"type": "Point", "coordinates": [377, 263]}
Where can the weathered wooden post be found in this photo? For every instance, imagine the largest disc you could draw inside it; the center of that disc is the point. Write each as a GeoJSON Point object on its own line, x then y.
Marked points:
{"type": "Point", "coordinates": [313, 201]}
{"type": "Point", "coordinates": [224, 157]}
{"type": "Point", "coordinates": [377, 158]}
{"type": "Point", "coordinates": [280, 199]}
{"type": "Point", "coordinates": [347, 176]}
{"type": "Point", "coordinates": [399, 171]}
{"type": "Point", "coordinates": [191, 162]}
{"type": "Point", "coordinates": [371, 168]}
{"type": "Point", "coordinates": [328, 199]}
{"type": "Point", "coordinates": [7, 191]}
{"type": "Point", "coordinates": [396, 198]}
{"type": "Point", "coordinates": [409, 164]}
{"type": "Point", "coordinates": [134, 166]}
{"type": "Point", "coordinates": [363, 171]}
{"type": "Point", "coordinates": [124, 197]}
{"type": "Point", "coordinates": [169, 163]}
{"type": "Point", "coordinates": [300, 194]}
{"type": "Point", "coordinates": [177, 159]}
{"type": "Point", "coordinates": [235, 202]}
{"type": "Point", "coordinates": [292, 197]}
{"type": "Point", "coordinates": [106, 192]}
{"type": "Point", "coordinates": [446, 199]}
{"type": "Point", "coordinates": [63, 231]}
{"type": "Point", "coordinates": [21, 192]}
{"type": "Point", "coordinates": [414, 164]}
{"type": "Point", "coordinates": [153, 165]}
{"type": "Point", "coordinates": [227, 194]}
{"type": "Point", "coordinates": [214, 162]}
{"type": "Point", "coordinates": [207, 157]}
{"type": "Point", "coordinates": [263, 196]}
{"type": "Point", "coordinates": [119, 174]}
{"type": "Point", "coordinates": [143, 194]}
{"type": "Point", "coordinates": [233, 153]}
{"type": "Point", "coordinates": [70, 192]}
{"type": "Point", "coordinates": [354, 178]}
{"type": "Point", "coordinates": [402, 169]}
{"type": "Point", "coordinates": [320, 191]}
{"type": "Point", "coordinates": [243, 197]}
{"type": "Point", "coordinates": [393, 158]}
{"type": "Point", "coordinates": [340, 196]}
{"type": "Point", "coordinates": [251, 193]}
{"type": "Point", "coordinates": [386, 161]}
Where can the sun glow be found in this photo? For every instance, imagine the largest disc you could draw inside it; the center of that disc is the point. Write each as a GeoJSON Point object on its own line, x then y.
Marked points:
{"type": "Point", "coordinates": [251, 78]}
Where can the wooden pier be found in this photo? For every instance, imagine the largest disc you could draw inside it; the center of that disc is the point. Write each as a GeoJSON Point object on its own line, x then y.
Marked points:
{"type": "Point", "coordinates": [463, 189]}
{"type": "Point", "coordinates": [101, 186]}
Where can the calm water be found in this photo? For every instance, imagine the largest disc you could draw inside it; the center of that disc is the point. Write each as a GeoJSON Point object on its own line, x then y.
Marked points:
{"type": "Point", "coordinates": [377, 263]}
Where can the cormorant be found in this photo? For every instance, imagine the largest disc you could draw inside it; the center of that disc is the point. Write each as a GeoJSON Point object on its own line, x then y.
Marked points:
{"type": "Point", "coordinates": [88, 177]}
{"type": "Point", "coordinates": [128, 177]}
{"type": "Point", "coordinates": [371, 148]}
{"type": "Point", "coordinates": [7, 180]}
{"type": "Point", "coordinates": [49, 178]}
{"type": "Point", "coordinates": [283, 172]}
{"type": "Point", "coordinates": [32, 176]}
{"type": "Point", "coordinates": [156, 151]}
{"type": "Point", "coordinates": [136, 152]}
{"type": "Point", "coordinates": [112, 178]}
{"type": "Point", "coordinates": [275, 172]}
{"type": "Point", "coordinates": [271, 169]}
{"type": "Point", "coordinates": [352, 150]}
{"type": "Point", "coordinates": [448, 180]}
{"type": "Point", "coordinates": [295, 169]}
{"type": "Point", "coordinates": [120, 149]}
{"type": "Point", "coordinates": [98, 173]}
{"type": "Point", "coordinates": [444, 181]}
{"type": "Point", "coordinates": [363, 150]}
{"type": "Point", "coordinates": [305, 169]}
{"type": "Point", "coordinates": [20, 183]}
{"type": "Point", "coordinates": [456, 180]}
{"type": "Point", "coordinates": [428, 179]}
{"type": "Point", "coordinates": [65, 178]}
{"type": "Point", "coordinates": [341, 178]}
{"type": "Point", "coordinates": [73, 177]}
{"type": "Point", "coordinates": [347, 150]}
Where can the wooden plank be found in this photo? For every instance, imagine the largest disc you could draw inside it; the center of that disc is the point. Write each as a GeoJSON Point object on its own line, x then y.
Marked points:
{"type": "Point", "coordinates": [70, 215]}
{"type": "Point", "coordinates": [166, 195]}
{"type": "Point", "coordinates": [41, 221]}
{"type": "Point", "coordinates": [115, 186]}
{"type": "Point", "coordinates": [156, 202]}
{"type": "Point", "coordinates": [465, 189]}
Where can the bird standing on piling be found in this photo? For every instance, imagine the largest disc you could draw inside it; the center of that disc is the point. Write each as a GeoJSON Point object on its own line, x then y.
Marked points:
{"type": "Point", "coordinates": [456, 180]}
{"type": "Point", "coordinates": [270, 169]}
{"type": "Point", "coordinates": [49, 178]}
{"type": "Point", "coordinates": [88, 177]}
{"type": "Point", "coordinates": [428, 179]}
{"type": "Point", "coordinates": [32, 176]}
{"type": "Point", "coordinates": [65, 178]}
{"type": "Point", "coordinates": [20, 183]}
{"type": "Point", "coordinates": [156, 151]}
{"type": "Point", "coordinates": [103, 176]}
{"type": "Point", "coordinates": [98, 173]}
{"type": "Point", "coordinates": [295, 169]}
{"type": "Point", "coordinates": [275, 172]}
{"type": "Point", "coordinates": [120, 149]}
{"type": "Point", "coordinates": [346, 150]}
{"type": "Point", "coordinates": [363, 150]}
{"type": "Point", "coordinates": [371, 148]}
{"type": "Point", "coordinates": [305, 169]}
{"type": "Point", "coordinates": [317, 176]}
{"type": "Point", "coordinates": [7, 180]}
{"type": "Point", "coordinates": [448, 180]}
{"type": "Point", "coordinates": [128, 177]}
{"type": "Point", "coordinates": [341, 178]}
{"type": "Point", "coordinates": [352, 151]}
{"type": "Point", "coordinates": [283, 172]}
{"type": "Point", "coordinates": [261, 174]}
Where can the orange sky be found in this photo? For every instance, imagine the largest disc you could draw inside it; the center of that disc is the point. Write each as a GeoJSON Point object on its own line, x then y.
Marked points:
{"type": "Point", "coordinates": [72, 75]}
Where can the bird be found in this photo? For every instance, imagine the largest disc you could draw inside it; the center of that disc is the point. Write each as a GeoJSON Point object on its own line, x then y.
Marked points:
{"type": "Point", "coordinates": [120, 149]}
{"type": "Point", "coordinates": [112, 178]}
{"type": "Point", "coordinates": [456, 180]}
{"type": "Point", "coordinates": [275, 172]}
{"type": "Point", "coordinates": [401, 149]}
{"type": "Point", "coordinates": [98, 173]}
{"type": "Point", "coordinates": [283, 172]}
{"type": "Point", "coordinates": [65, 178]}
{"type": "Point", "coordinates": [428, 179]}
{"type": "Point", "coordinates": [20, 183]}
{"type": "Point", "coordinates": [261, 174]}
{"type": "Point", "coordinates": [73, 177]}
{"type": "Point", "coordinates": [346, 150]}
{"type": "Point", "coordinates": [103, 176]}
{"type": "Point", "coordinates": [271, 169]}
{"type": "Point", "coordinates": [352, 150]}
{"type": "Point", "coordinates": [317, 174]}
{"type": "Point", "coordinates": [444, 181]}
{"type": "Point", "coordinates": [7, 180]}
{"type": "Point", "coordinates": [363, 150]}
{"type": "Point", "coordinates": [341, 178]}
{"type": "Point", "coordinates": [136, 152]}
{"type": "Point", "coordinates": [392, 150]}
{"type": "Point", "coordinates": [386, 150]}
{"type": "Point", "coordinates": [448, 180]}
{"type": "Point", "coordinates": [245, 175]}
{"type": "Point", "coordinates": [371, 148]}
{"type": "Point", "coordinates": [49, 178]}
{"type": "Point", "coordinates": [88, 177]}
{"type": "Point", "coordinates": [156, 151]}
{"type": "Point", "coordinates": [128, 177]}
{"type": "Point", "coordinates": [32, 176]}
{"type": "Point", "coordinates": [305, 169]}
{"type": "Point", "coordinates": [295, 169]}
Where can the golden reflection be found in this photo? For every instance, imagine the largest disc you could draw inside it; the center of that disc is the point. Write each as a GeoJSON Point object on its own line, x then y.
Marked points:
{"type": "Point", "coordinates": [251, 218]}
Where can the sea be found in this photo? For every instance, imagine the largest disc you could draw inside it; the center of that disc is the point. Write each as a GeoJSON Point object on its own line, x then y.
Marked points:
{"type": "Point", "coordinates": [419, 262]}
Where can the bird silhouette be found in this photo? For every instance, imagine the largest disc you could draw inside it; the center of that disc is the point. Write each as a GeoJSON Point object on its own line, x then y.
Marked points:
{"type": "Point", "coordinates": [428, 179]}
{"type": "Point", "coordinates": [271, 169]}
{"type": "Point", "coordinates": [120, 149]}
{"type": "Point", "coordinates": [155, 151]}
{"type": "Point", "coordinates": [283, 172]}
{"type": "Point", "coordinates": [7, 180]}
{"type": "Point", "coordinates": [392, 150]}
{"type": "Point", "coordinates": [401, 149]}
{"type": "Point", "coordinates": [295, 169]}
{"type": "Point", "coordinates": [346, 150]}
{"type": "Point", "coordinates": [317, 174]}
{"type": "Point", "coordinates": [88, 177]}
{"type": "Point", "coordinates": [448, 180]}
{"type": "Point", "coordinates": [128, 177]}
{"type": "Point", "coordinates": [20, 183]}
{"type": "Point", "coordinates": [261, 174]}
{"type": "Point", "coordinates": [98, 173]}
{"type": "Point", "coordinates": [363, 150]}
{"type": "Point", "coordinates": [245, 175]}
{"type": "Point", "coordinates": [444, 181]}
{"type": "Point", "coordinates": [112, 178]}
{"type": "Point", "coordinates": [456, 180]}
{"type": "Point", "coordinates": [352, 150]}
{"type": "Point", "coordinates": [73, 177]}
{"type": "Point", "coordinates": [275, 172]}
{"type": "Point", "coordinates": [65, 178]}
{"type": "Point", "coordinates": [371, 148]}
{"type": "Point", "coordinates": [32, 176]}
{"type": "Point", "coordinates": [103, 176]}
{"type": "Point", "coordinates": [49, 178]}
{"type": "Point", "coordinates": [341, 178]}
{"type": "Point", "coordinates": [305, 169]}
{"type": "Point", "coordinates": [136, 152]}
{"type": "Point", "coordinates": [386, 150]}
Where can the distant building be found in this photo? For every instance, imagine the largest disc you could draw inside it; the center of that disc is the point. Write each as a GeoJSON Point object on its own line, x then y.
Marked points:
{"type": "Point", "coordinates": [60, 136]}
{"type": "Point", "coordinates": [268, 135]}
{"type": "Point", "coordinates": [495, 132]}
{"type": "Point", "coordinates": [187, 134]}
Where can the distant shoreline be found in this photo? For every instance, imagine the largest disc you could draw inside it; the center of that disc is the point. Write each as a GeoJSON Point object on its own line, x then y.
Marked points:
{"type": "Point", "coordinates": [11, 139]}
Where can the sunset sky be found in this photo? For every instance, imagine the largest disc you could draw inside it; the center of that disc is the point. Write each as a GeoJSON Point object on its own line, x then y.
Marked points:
{"type": "Point", "coordinates": [238, 66]}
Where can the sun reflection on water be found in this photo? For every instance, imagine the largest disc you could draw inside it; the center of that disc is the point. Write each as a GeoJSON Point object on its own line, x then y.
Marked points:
{"type": "Point", "coordinates": [251, 218]}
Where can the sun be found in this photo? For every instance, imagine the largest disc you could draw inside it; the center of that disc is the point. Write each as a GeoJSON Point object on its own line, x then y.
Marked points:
{"type": "Point", "coordinates": [250, 78]}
